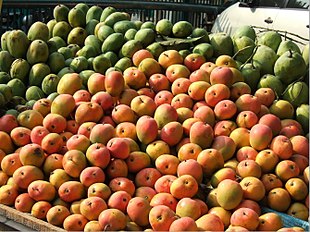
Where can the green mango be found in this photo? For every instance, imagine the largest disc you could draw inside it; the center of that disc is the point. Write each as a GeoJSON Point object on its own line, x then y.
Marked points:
{"type": "Point", "coordinates": [243, 48]}
{"type": "Point", "coordinates": [56, 62]}
{"type": "Point", "coordinates": [245, 30]}
{"type": "Point", "coordinates": [113, 43]}
{"type": "Point", "coordinates": [34, 93]}
{"type": "Point", "coordinates": [38, 30]}
{"type": "Point", "coordinates": [130, 34]}
{"type": "Point", "coordinates": [182, 29]}
{"type": "Point", "coordinates": [50, 25]}
{"type": "Point", "coordinates": [30, 103]}
{"type": "Point", "coordinates": [286, 45]}
{"type": "Point", "coordinates": [123, 26]}
{"type": "Point", "coordinates": [68, 61]}
{"type": "Point", "coordinates": [12, 112]}
{"type": "Point", "coordinates": [302, 116]}
{"type": "Point", "coordinates": [200, 32]}
{"type": "Point", "coordinates": [52, 96]}
{"type": "Point", "coordinates": [77, 36]}
{"type": "Point", "coordinates": [87, 51]}
{"type": "Point", "coordinates": [4, 77]}
{"type": "Point", "coordinates": [82, 6]}
{"type": "Point", "coordinates": [6, 61]}
{"type": "Point", "coordinates": [222, 44]}
{"type": "Point", "coordinates": [271, 39]}
{"type": "Point", "coordinates": [251, 75]}
{"type": "Point", "coordinates": [94, 12]}
{"type": "Point", "coordinates": [116, 17]}
{"type": "Point", "coordinates": [204, 49]}
{"type": "Point", "coordinates": [123, 63]}
{"type": "Point", "coordinates": [85, 74]}
{"type": "Point", "coordinates": [55, 43]}
{"type": "Point", "coordinates": [17, 43]}
{"type": "Point", "coordinates": [270, 81]}
{"type": "Point", "coordinates": [93, 41]}
{"type": "Point", "coordinates": [60, 12]}
{"type": "Point", "coordinates": [101, 64]}
{"type": "Point", "coordinates": [264, 58]}
{"type": "Point", "coordinates": [64, 71]}
{"type": "Point", "coordinates": [18, 87]}
{"type": "Point", "coordinates": [106, 12]}
{"type": "Point", "coordinates": [164, 27]}
{"type": "Point", "coordinates": [297, 93]}
{"type": "Point", "coordinates": [74, 48]}
{"type": "Point", "coordinates": [112, 56]}
{"type": "Point", "coordinates": [148, 24]}
{"type": "Point", "coordinates": [7, 92]}
{"type": "Point", "coordinates": [289, 67]}
{"type": "Point", "coordinates": [90, 26]}
{"type": "Point", "coordinates": [79, 64]}
{"type": "Point", "coordinates": [130, 47]}
{"type": "Point", "coordinates": [156, 49]}
{"type": "Point", "coordinates": [146, 36]}
{"type": "Point", "coordinates": [61, 29]}
{"type": "Point", "coordinates": [184, 53]}
{"type": "Point", "coordinates": [20, 69]}
{"type": "Point", "coordinates": [66, 52]}
{"type": "Point", "coordinates": [37, 73]}
{"type": "Point", "coordinates": [4, 38]}
{"type": "Point", "coordinates": [76, 18]}
{"type": "Point", "coordinates": [49, 83]}
{"type": "Point", "coordinates": [37, 52]}
{"type": "Point", "coordinates": [103, 32]}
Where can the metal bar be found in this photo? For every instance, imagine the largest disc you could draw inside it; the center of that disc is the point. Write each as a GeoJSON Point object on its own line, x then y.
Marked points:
{"type": "Point", "coordinates": [125, 4]}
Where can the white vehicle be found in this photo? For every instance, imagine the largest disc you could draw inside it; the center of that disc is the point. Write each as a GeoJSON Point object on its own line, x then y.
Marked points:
{"type": "Point", "coordinates": [291, 16]}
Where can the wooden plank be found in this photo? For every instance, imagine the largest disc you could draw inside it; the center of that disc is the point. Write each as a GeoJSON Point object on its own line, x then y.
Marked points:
{"type": "Point", "coordinates": [27, 219]}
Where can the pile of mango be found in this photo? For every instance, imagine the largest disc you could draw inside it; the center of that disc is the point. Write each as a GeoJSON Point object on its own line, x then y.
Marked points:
{"type": "Point", "coordinates": [107, 123]}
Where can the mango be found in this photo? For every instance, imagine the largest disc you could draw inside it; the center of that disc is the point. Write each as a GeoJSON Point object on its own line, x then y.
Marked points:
{"type": "Point", "coordinates": [34, 93]}
{"type": "Point", "coordinates": [116, 17]}
{"type": "Point", "coordinates": [38, 30]}
{"type": "Point", "coordinates": [101, 64]}
{"type": "Point", "coordinates": [297, 93]}
{"type": "Point", "coordinates": [123, 26]}
{"type": "Point", "coordinates": [302, 116]}
{"type": "Point", "coordinates": [18, 87]}
{"type": "Point", "coordinates": [289, 67]}
{"type": "Point", "coordinates": [49, 83]}
{"type": "Point", "coordinates": [60, 12]}
{"type": "Point", "coordinates": [113, 43]}
{"type": "Point", "coordinates": [56, 62]}
{"type": "Point", "coordinates": [37, 52]}
{"type": "Point", "coordinates": [130, 47]}
{"type": "Point", "coordinates": [264, 58]}
{"type": "Point", "coordinates": [76, 17]}
{"type": "Point", "coordinates": [90, 26]}
{"type": "Point", "coordinates": [94, 12]}
{"type": "Point", "coordinates": [62, 30]}
{"type": "Point", "coordinates": [6, 61]}
{"type": "Point", "coordinates": [20, 69]}
{"type": "Point", "coordinates": [77, 36]}
{"type": "Point", "coordinates": [229, 194]}
{"type": "Point", "coordinates": [106, 12]}
{"type": "Point", "coordinates": [17, 43]}
{"type": "Point", "coordinates": [4, 39]}
{"type": "Point", "coordinates": [55, 43]}
{"type": "Point", "coordinates": [146, 36]}
{"type": "Point", "coordinates": [37, 73]}
{"type": "Point", "coordinates": [69, 84]}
